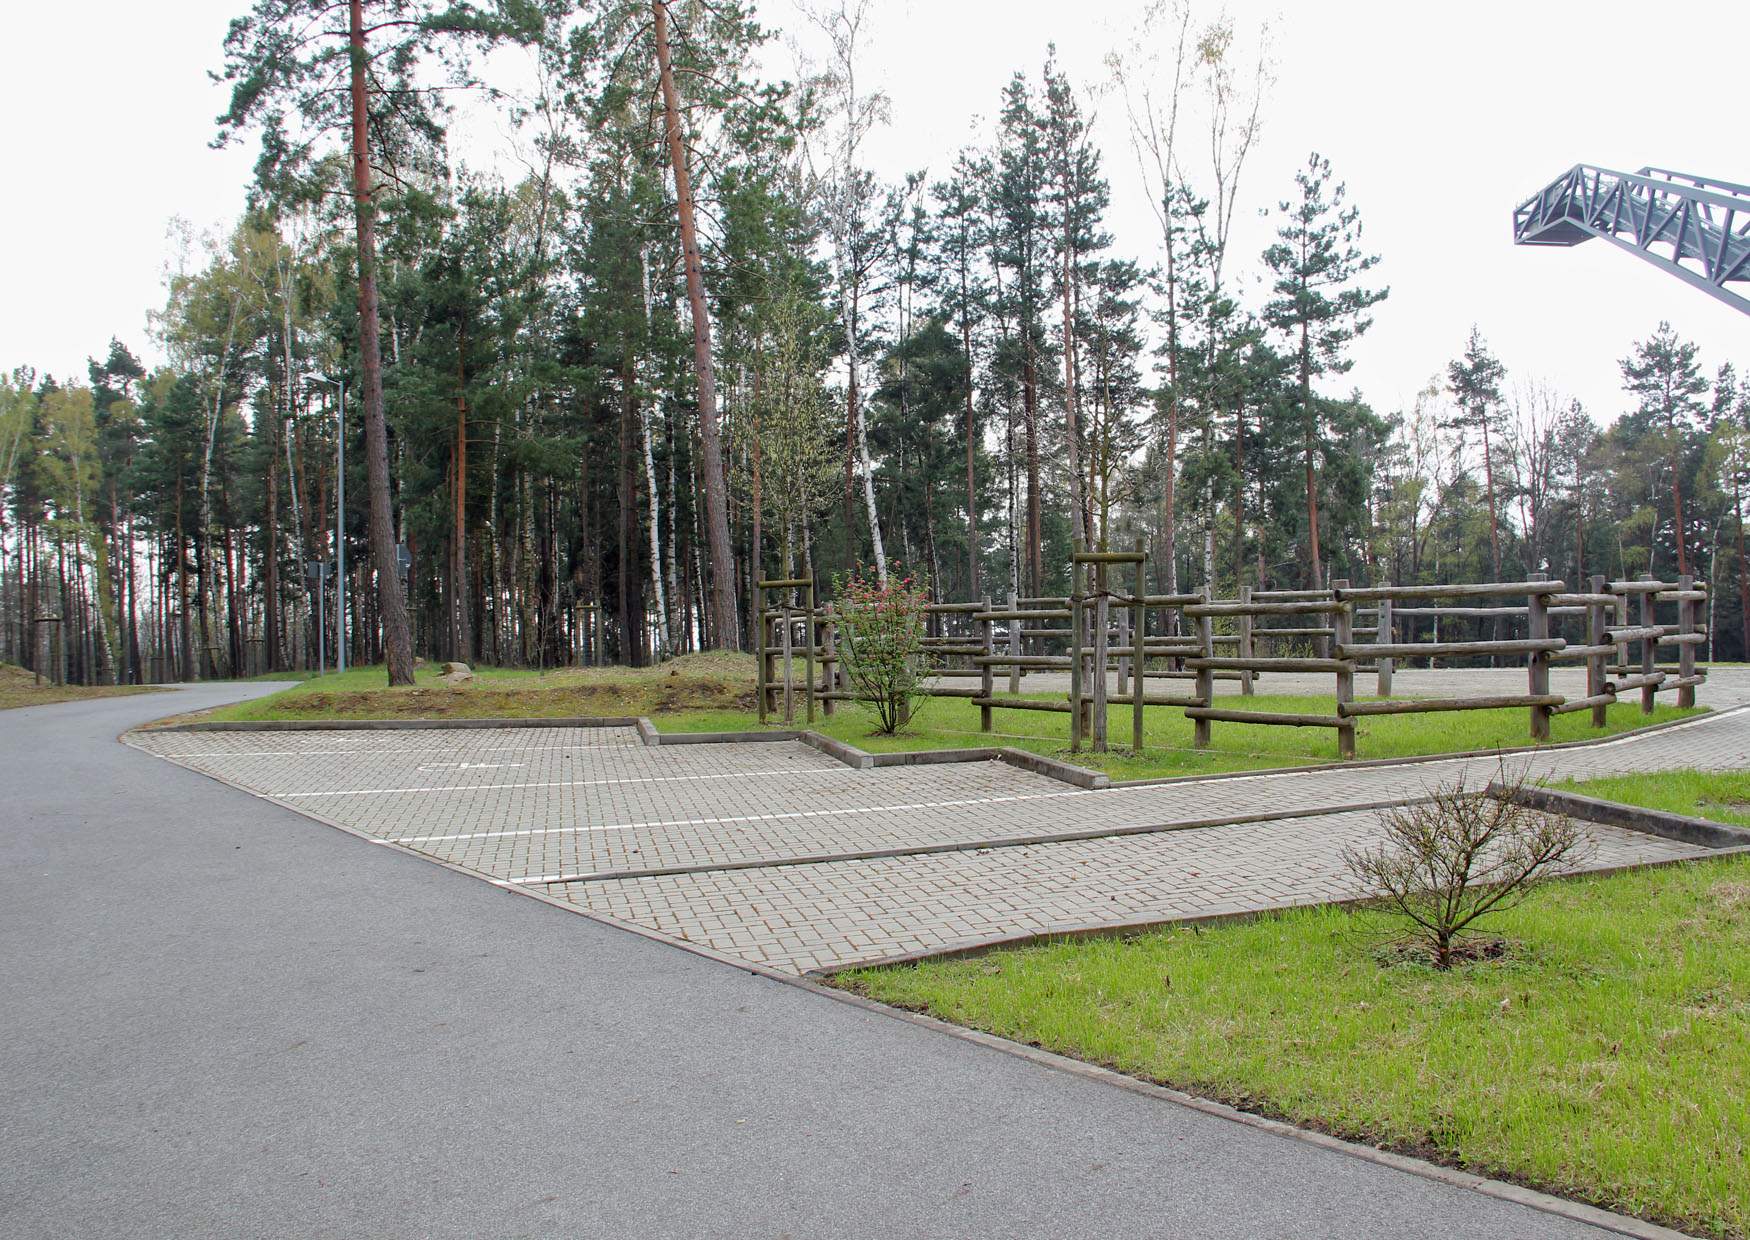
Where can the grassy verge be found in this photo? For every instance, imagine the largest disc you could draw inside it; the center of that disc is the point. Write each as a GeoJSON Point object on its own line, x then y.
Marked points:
{"type": "Point", "coordinates": [19, 688]}
{"type": "Point", "coordinates": [1722, 796]}
{"type": "Point", "coordinates": [709, 681]}
{"type": "Point", "coordinates": [711, 693]}
{"type": "Point", "coordinates": [1607, 1057]}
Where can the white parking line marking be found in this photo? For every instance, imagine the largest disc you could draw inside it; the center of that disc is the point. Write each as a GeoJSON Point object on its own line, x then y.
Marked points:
{"type": "Point", "coordinates": [707, 822]}
{"type": "Point", "coordinates": [557, 783]}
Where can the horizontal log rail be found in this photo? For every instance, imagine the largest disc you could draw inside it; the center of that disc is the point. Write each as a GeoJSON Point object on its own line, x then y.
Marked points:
{"type": "Point", "coordinates": [1481, 589]}
{"type": "Point", "coordinates": [1416, 706]}
{"type": "Point", "coordinates": [1460, 613]}
{"type": "Point", "coordinates": [1262, 609]}
{"type": "Point", "coordinates": [1014, 703]}
{"type": "Point", "coordinates": [1643, 680]}
{"type": "Point", "coordinates": [985, 617]}
{"type": "Point", "coordinates": [1585, 652]}
{"type": "Point", "coordinates": [1416, 650]}
{"type": "Point", "coordinates": [1595, 702]}
{"type": "Point", "coordinates": [1221, 663]}
{"type": "Point", "coordinates": [1279, 719]}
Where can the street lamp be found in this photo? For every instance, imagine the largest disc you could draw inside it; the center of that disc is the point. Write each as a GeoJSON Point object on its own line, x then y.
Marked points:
{"type": "Point", "coordinates": [339, 521]}
{"type": "Point", "coordinates": [317, 571]}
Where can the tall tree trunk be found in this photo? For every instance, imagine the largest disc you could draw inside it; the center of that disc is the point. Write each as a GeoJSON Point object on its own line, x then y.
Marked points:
{"type": "Point", "coordinates": [1310, 426]}
{"type": "Point", "coordinates": [185, 635]}
{"type": "Point", "coordinates": [461, 635]}
{"type": "Point", "coordinates": [1743, 579]}
{"type": "Point", "coordinates": [716, 501]}
{"type": "Point", "coordinates": [1239, 496]}
{"type": "Point", "coordinates": [1035, 518]}
{"type": "Point", "coordinates": [270, 554]}
{"type": "Point", "coordinates": [391, 603]}
{"type": "Point", "coordinates": [627, 486]}
{"type": "Point", "coordinates": [1072, 432]}
{"type": "Point", "coordinates": [656, 567]}
{"type": "Point", "coordinates": [1677, 501]}
{"type": "Point", "coordinates": [1489, 482]}
{"type": "Point", "coordinates": [971, 440]}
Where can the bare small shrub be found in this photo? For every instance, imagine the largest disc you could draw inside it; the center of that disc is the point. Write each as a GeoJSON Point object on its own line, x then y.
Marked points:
{"type": "Point", "coordinates": [1460, 856]}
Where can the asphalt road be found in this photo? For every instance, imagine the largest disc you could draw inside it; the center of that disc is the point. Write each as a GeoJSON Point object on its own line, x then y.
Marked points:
{"type": "Point", "coordinates": [219, 1018]}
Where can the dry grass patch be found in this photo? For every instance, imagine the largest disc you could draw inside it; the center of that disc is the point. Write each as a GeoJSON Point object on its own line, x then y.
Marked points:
{"type": "Point", "coordinates": [710, 682]}
{"type": "Point", "coordinates": [19, 688]}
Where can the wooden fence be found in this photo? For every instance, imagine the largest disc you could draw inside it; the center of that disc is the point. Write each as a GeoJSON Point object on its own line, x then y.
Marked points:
{"type": "Point", "coordinates": [1099, 633]}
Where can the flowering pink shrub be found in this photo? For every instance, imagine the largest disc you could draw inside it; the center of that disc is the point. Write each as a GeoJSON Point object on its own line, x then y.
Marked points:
{"type": "Point", "coordinates": [881, 640]}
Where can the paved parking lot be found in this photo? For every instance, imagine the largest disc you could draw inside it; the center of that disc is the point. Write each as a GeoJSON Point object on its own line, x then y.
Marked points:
{"type": "Point", "coordinates": [773, 852]}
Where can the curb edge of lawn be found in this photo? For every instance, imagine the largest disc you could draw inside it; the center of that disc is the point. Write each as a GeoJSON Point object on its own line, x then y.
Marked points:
{"type": "Point", "coordinates": [1531, 1198]}
{"type": "Point", "coordinates": [1645, 729]}
{"type": "Point", "coordinates": [1685, 828]}
{"type": "Point", "coordinates": [860, 759]}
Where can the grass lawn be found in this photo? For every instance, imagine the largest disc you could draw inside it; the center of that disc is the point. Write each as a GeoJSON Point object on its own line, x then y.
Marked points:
{"type": "Point", "coordinates": [1722, 796]}
{"type": "Point", "coordinates": [715, 692]}
{"type": "Point", "coordinates": [1606, 1057]}
{"type": "Point", "coordinates": [19, 688]}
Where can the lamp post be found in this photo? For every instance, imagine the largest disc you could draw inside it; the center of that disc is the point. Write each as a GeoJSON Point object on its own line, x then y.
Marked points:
{"type": "Point", "coordinates": [339, 522]}
{"type": "Point", "coordinates": [317, 571]}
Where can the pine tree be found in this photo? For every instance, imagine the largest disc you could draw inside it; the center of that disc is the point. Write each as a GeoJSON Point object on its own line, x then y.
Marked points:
{"type": "Point", "coordinates": [280, 61]}
{"type": "Point", "coordinates": [1475, 384]}
{"type": "Point", "coordinates": [1318, 306]}
{"type": "Point", "coordinates": [1665, 379]}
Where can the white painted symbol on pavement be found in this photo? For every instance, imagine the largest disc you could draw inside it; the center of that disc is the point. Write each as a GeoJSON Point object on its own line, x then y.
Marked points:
{"type": "Point", "coordinates": [469, 766]}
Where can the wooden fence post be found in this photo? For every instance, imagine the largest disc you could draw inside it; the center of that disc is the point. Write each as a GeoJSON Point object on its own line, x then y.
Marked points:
{"type": "Point", "coordinates": [829, 666]}
{"type": "Point", "coordinates": [1200, 733]}
{"type": "Point", "coordinates": [986, 677]}
{"type": "Point", "coordinates": [786, 621]}
{"type": "Point", "coordinates": [1075, 650]}
{"type": "Point", "coordinates": [1102, 650]}
{"type": "Point", "coordinates": [809, 631]}
{"type": "Point", "coordinates": [759, 625]}
{"type": "Point", "coordinates": [1138, 646]}
{"type": "Point", "coordinates": [1597, 665]}
{"type": "Point", "coordinates": [1537, 663]}
{"type": "Point", "coordinates": [1649, 655]}
{"type": "Point", "coordinates": [1686, 628]}
{"type": "Point", "coordinates": [1342, 622]}
{"type": "Point", "coordinates": [1122, 686]}
{"type": "Point", "coordinates": [1384, 666]}
{"type": "Point", "coordinates": [1247, 645]}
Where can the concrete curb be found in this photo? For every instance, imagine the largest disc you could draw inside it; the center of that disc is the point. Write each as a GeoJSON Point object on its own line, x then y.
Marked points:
{"type": "Point", "coordinates": [657, 739]}
{"type": "Point", "coordinates": [1701, 832]}
{"type": "Point", "coordinates": [1423, 759]}
{"type": "Point", "coordinates": [850, 755]}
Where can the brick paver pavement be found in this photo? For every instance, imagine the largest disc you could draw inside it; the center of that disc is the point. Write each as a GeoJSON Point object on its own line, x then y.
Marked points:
{"type": "Point", "coordinates": [800, 918]}
{"type": "Point", "coordinates": [763, 848]}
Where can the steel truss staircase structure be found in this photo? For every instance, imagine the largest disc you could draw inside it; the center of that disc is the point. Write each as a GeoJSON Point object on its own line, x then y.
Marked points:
{"type": "Point", "coordinates": [1702, 227]}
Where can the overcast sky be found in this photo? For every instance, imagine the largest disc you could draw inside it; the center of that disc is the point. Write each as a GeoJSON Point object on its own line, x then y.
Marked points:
{"type": "Point", "coordinates": [1440, 118]}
